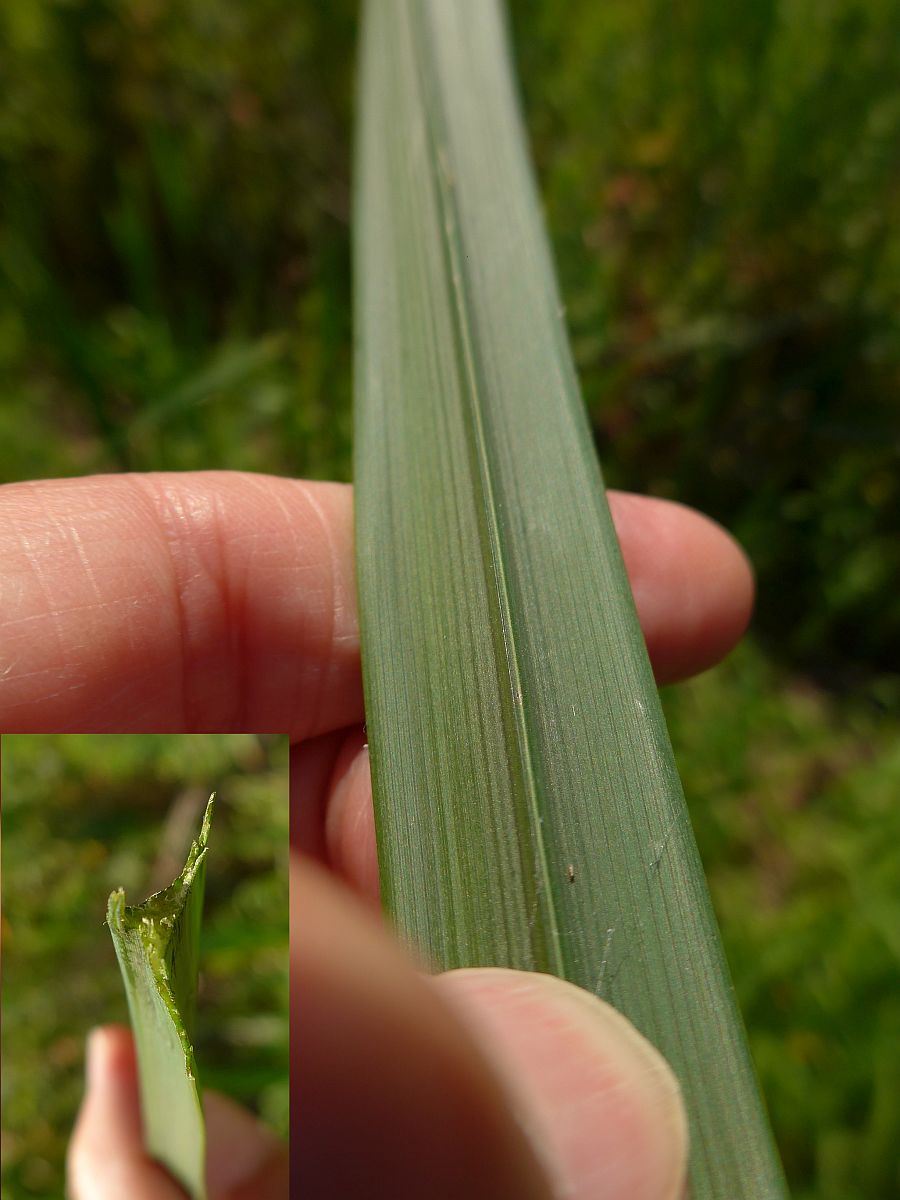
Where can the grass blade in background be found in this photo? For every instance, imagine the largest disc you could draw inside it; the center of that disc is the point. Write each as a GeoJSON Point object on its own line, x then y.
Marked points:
{"type": "Point", "coordinates": [157, 945]}
{"type": "Point", "coordinates": [528, 809]}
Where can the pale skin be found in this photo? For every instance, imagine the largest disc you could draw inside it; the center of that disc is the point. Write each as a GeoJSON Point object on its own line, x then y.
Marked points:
{"type": "Point", "coordinates": [219, 601]}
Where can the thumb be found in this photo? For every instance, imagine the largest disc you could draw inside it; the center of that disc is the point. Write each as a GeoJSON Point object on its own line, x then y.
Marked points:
{"type": "Point", "coordinates": [601, 1106]}
{"type": "Point", "coordinates": [106, 1158]}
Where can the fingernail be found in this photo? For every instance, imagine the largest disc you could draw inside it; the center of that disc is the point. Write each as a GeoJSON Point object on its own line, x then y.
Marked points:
{"type": "Point", "coordinates": [601, 1105]}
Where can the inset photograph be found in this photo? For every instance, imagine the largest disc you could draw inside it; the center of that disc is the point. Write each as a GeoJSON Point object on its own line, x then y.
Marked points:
{"type": "Point", "coordinates": [145, 985]}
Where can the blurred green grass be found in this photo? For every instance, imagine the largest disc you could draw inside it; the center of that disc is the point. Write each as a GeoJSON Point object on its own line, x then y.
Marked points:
{"type": "Point", "coordinates": [720, 183]}
{"type": "Point", "coordinates": [794, 796]}
{"type": "Point", "coordinates": [83, 814]}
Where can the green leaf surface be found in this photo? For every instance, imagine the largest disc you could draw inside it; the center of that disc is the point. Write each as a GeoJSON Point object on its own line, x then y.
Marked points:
{"type": "Point", "coordinates": [528, 809]}
{"type": "Point", "coordinates": [157, 945]}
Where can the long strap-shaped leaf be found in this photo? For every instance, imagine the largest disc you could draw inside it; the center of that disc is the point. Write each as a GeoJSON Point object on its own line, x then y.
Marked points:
{"type": "Point", "coordinates": [157, 945]}
{"type": "Point", "coordinates": [528, 809]}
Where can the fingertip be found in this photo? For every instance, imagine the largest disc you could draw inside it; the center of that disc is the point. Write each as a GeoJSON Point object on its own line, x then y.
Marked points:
{"type": "Point", "coordinates": [692, 583]}
{"type": "Point", "coordinates": [110, 1054]}
{"type": "Point", "coordinates": [602, 1107]}
{"type": "Point", "coordinates": [112, 1100]}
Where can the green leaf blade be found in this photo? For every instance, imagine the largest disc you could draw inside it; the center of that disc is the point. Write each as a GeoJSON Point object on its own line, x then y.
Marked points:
{"type": "Point", "coordinates": [513, 720]}
{"type": "Point", "coordinates": [157, 946]}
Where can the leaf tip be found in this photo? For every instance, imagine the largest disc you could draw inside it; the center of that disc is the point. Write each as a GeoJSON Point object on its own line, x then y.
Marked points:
{"type": "Point", "coordinates": [207, 821]}
{"type": "Point", "coordinates": [115, 907]}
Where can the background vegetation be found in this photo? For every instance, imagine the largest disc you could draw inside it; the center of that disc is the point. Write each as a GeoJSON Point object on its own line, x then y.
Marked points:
{"type": "Point", "coordinates": [83, 814]}
{"type": "Point", "coordinates": [720, 183]}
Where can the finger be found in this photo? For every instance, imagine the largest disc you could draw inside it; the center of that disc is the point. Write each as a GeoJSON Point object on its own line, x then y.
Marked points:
{"type": "Point", "coordinates": [107, 1155]}
{"type": "Point", "coordinates": [441, 1095]}
{"type": "Point", "coordinates": [332, 784]}
{"type": "Point", "coordinates": [596, 1096]}
{"type": "Point", "coordinates": [106, 1158]}
{"type": "Point", "coordinates": [310, 784]}
{"type": "Point", "coordinates": [392, 1098]}
{"type": "Point", "coordinates": [692, 583]}
{"type": "Point", "coordinates": [219, 601]}
{"type": "Point", "coordinates": [211, 601]}
{"type": "Point", "coordinates": [244, 1160]}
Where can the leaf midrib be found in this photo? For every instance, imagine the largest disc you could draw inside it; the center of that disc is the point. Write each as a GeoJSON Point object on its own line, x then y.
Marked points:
{"type": "Point", "coordinates": [490, 535]}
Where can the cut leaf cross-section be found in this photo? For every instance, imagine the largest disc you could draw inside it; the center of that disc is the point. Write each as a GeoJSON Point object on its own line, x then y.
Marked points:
{"type": "Point", "coordinates": [157, 945]}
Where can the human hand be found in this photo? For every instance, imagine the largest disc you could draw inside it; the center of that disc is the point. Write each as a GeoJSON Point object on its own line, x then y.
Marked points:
{"type": "Point", "coordinates": [107, 1160]}
{"type": "Point", "coordinates": [218, 601]}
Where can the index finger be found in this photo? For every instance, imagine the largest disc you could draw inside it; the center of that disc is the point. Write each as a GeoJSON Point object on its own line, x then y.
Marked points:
{"type": "Point", "coordinates": [209, 601]}
{"type": "Point", "coordinates": [219, 601]}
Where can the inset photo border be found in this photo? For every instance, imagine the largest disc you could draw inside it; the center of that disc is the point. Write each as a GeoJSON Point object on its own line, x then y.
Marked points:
{"type": "Point", "coordinates": [83, 815]}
